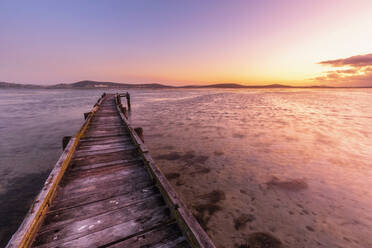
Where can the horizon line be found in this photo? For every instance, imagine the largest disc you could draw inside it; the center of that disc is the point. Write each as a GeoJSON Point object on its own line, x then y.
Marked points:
{"type": "Point", "coordinates": [232, 85]}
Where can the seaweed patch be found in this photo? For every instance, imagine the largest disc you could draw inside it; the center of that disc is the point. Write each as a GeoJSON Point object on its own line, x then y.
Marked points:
{"type": "Point", "coordinates": [171, 176]}
{"type": "Point", "coordinates": [290, 184]}
{"type": "Point", "coordinates": [242, 220]}
{"type": "Point", "coordinates": [204, 211]}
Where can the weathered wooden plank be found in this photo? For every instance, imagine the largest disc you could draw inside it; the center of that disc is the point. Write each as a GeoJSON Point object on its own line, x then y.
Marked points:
{"type": "Point", "coordinates": [34, 218]}
{"type": "Point", "coordinates": [110, 191]}
{"type": "Point", "coordinates": [124, 174]}
{"type": "Point", "coordinates": [77, 194]}
{"type": "Point", "coordinates": [89, 143]}
{"type": "Point", "coordinates": [104, 140]}
{"type": "Point", "coordinates": [85, 153]}
{"type": "Point", "coordinates": [129, 220]}
{"type": "Point", "coordinates": [56, 219]}
{"type": "Point", "coordinates": [108, 145]}
{"type": "Point", "coordinates": [101, 144]}
{"type": "Point", "coordinates": [105, 114]}
{"type": "Point", "coordinates": [103, 136]}
{"type": "Point", "coordinates": [106, 197]}
{"type": "Point", "coordinates": [121, 162]}
{"type": "Point", "coordinates": [111, 234]}
{"type": "Point", "coordinates": [172, 243]}
{"type": "Point", "coordinates": [105, 118]}
{"type": "Point", "coordinates": [106, 125]}
{"type": "Point", "coordinates": [107, 157]}
{"type": "Point", "coordinates": [26, 232]}
{"type": "Point", "coordinates": [114, 121]}
{"type": "Point", "coordinates": [104, 128]}
{"type": "Point", "coordinates": [107, 110]}
{"type": "Point", "coordinates": [102, 133]}
{"type": "Point", "coordinates": [96, 146]}
{"type": "Point", "coordinates": [161, 235]}
{"type": "Point", "coordinates": [104, 170]}
{"type": "Point", "coordinates": [190, 227]}
{"type": "Point", "coordinates": [140, 144]}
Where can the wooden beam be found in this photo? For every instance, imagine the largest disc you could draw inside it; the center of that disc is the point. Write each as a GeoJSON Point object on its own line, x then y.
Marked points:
{"type": "Point", "coordinates": [128, 101]}
{"type": "Point", "coordinates": [86, 115]}
{"type": "Point", "coordinates": [190, 227]}
{"type": "Point", "coordinates": [65, 141]}
{"type": "Point", "coordinates": [25, 234]}
{"type": "Point", "coordinates": [124, 110]}
{"type": "Point", "coordinates": [106, 190]}
{"type": "Point", "coordinates": [139, 132]}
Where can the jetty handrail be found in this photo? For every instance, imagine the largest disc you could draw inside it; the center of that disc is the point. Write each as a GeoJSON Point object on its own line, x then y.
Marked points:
{"type": "Point", "coordinates": [125, 110]}
{"type": "Point", "coordinates": [189, 226]}
{"type": "Point", "coordinates": [26, 232]}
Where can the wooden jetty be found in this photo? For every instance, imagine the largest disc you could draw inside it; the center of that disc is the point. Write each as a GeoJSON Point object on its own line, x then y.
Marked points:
{"type": "Point", "coordinates": [106, 191]}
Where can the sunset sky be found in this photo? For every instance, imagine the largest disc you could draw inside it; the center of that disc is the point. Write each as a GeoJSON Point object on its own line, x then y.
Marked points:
{"type": "Point", "coordinates": [187, 42]}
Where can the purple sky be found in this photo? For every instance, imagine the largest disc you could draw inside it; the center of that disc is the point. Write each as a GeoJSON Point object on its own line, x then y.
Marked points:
{"type": "Point", "coordinates": [180, 42]}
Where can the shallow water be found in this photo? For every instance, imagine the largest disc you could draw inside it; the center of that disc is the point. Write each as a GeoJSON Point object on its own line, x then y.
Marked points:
{"type": "Point", "coordinates": [290, 167]}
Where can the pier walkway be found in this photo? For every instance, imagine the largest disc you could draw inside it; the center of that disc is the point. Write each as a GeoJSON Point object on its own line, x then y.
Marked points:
{"type": "Point", "coordinates": [106, 191]}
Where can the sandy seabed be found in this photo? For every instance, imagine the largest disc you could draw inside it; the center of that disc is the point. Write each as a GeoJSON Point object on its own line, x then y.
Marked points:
{"type": "Point", "coordinates": [268, 169]}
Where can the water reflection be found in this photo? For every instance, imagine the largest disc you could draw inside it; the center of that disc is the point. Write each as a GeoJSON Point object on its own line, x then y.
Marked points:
{"type": "Point", "coordinates": [32, 124]}
{"type": "Point", "coordinates": [292, 165]}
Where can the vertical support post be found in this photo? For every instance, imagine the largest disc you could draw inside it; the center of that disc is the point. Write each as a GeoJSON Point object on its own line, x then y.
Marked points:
{"type": "Point", "coordinates": [128, 101]}
{"type": "Point", "coordinates": [124, 111]}
{"type": "Point", "coordinates": [65, 141]}
{"type": "Point", "coordinates": [139, 132]}
{"type": "Point", "coordinates": [86, 115]}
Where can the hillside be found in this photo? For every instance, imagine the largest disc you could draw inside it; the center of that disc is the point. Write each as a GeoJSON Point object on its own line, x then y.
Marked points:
{"type": "Point", "coordinates": [4, 85]}
{"type": "Point", "coordinates": [89, 84]}
{"type": "Point", "coordinates": [86, 84]}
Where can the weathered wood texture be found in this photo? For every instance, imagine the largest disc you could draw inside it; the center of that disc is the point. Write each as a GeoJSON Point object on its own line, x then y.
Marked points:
{"type": "Point", "coordinates": [106, 197]}
{"type": "Point", "coordinates": [25, 234]}
{"type": "Point", "coordinates": [196, 236]}
{"type": "Point", "coordinates": [109, 193]}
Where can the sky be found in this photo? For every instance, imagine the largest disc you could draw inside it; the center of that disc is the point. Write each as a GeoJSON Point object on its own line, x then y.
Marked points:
{"type": "Point", "coordinates": [294, 42]}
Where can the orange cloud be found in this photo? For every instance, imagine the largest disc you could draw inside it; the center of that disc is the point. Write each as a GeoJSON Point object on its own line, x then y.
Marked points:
{"type": "Point", "coordinates": [358, 71]}
{"type": "Point", "coordinates": [354, 61]}
{"type": "Point", "coordinates": [347, 71]}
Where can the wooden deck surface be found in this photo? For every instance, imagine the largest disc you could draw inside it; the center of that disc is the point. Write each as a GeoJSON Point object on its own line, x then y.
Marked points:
{"type": "Point", "coordinates": [106, 197]}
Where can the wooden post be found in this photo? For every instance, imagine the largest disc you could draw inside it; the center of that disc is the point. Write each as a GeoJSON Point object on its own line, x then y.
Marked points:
{"type": "Point", "coordinates": [65, 141]}
{"type": "Point", "coordinates": [124, 110]}
{"type": "Point", "coordinates": [86, 115]}
{"type": "Point", "coordinates": [139, 132]}
{"type": "Point", "coordinates": [119, 99]}
{"type": "Point", "coordinates": [128, 101]}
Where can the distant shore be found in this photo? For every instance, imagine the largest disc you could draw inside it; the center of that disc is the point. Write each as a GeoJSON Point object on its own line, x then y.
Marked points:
{"type": "Point", "coordinates": [88, 84]}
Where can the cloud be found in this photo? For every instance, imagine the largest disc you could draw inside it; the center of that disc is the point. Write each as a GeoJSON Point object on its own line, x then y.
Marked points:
{"type": "Point", "coordinates": [348, 71]}
{"type": "Point", "coordinates": [357, 71]}
{"type": "Point", "coordinates": [354, 61]}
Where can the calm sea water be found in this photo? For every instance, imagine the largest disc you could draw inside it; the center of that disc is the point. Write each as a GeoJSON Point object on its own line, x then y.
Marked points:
{"type": "Point", "coordinates": [284, 166]}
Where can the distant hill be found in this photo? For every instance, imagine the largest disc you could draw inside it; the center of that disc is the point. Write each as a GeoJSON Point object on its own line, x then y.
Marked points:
{"type": "Point", "coordinates": [215, 86]}
{"type": "Point", "coordinates": [232, 86]}
{"type": "Point", "coordinates": [4, 85]}
{"type": "Point", "coordinates": [88, 84]}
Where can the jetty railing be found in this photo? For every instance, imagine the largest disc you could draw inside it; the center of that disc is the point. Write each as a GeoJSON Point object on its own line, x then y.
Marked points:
{"type": "Point", "coordinates": [125, 110]}
{"type": "Point", "coordinates": [25, 234]}
{"type": "Point", "coordinates": [189, 226]}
